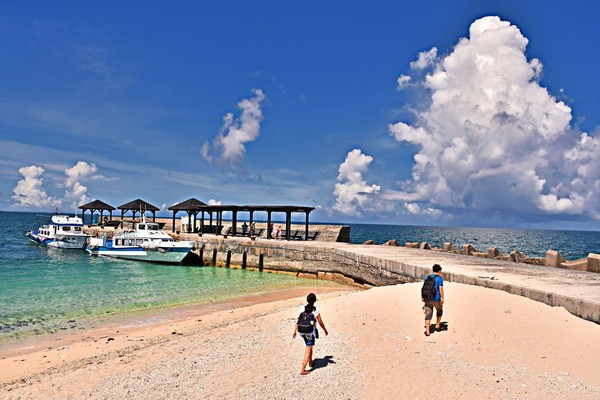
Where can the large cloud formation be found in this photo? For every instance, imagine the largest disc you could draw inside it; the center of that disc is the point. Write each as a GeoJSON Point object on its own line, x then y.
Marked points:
{"type": "Point", "coordinates": [29, 191]}
{"type": "Point", "coordinates": [352, 192]}
{"type": "Point", "coordinates": [490, 138]}
{"type": "Point", "coordinates": [75, 189]}
{"type": "Point", "coordinates": [230, 142]}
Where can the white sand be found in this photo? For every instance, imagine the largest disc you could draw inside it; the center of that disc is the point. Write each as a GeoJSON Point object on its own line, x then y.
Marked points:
{"type": "Point", "coordinates": [498, 346]}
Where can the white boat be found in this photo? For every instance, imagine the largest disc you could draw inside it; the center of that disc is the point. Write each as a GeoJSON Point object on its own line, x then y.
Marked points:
{"type": "Point", "coordinates": [63, 232]}
{"type": "Point", "coordinates": [146, 242]}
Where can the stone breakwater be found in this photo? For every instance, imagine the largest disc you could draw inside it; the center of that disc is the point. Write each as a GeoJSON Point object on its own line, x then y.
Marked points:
{"type": "Point", "coordinates": [368, 265]}
{"type": "Point", "coordinates": [553, 258]}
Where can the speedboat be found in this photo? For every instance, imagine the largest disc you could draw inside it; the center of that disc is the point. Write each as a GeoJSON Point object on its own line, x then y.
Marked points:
{"type": "Point", "coordinates": [146, 242]}
{"type": "Point", "coordinates": [63, 232]}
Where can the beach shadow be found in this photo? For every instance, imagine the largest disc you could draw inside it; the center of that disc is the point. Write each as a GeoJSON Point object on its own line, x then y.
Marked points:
{"type": "Point", "coordinates": [322, 362]}
{"type": "Point", "coordinates": [443, 327]}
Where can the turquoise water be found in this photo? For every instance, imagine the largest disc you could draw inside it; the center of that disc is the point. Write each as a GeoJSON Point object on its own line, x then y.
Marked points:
{"type": "Point", "coordinates": [44, 290]}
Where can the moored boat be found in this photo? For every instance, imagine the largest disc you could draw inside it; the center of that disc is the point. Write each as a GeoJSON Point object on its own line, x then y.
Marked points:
{"type": "Point", "coordinates": [146, 242]}
{"type": "Point", "coordinates": [63, 232]}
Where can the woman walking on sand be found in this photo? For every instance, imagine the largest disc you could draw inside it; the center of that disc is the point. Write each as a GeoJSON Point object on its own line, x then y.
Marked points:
{"type": "Point", "coordinates": [307, 328]}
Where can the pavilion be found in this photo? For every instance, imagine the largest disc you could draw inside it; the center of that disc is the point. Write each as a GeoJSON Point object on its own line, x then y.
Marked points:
{"type": "Point", "coordinates": [96, 205]}
{"type": "Point", "coordinates": [138, 205]}
{"type": "Point", "coordinates": [193, 207]}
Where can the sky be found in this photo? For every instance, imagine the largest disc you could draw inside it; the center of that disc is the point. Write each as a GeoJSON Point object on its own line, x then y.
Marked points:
{"type": "Point", "coordinates": [463, 113]}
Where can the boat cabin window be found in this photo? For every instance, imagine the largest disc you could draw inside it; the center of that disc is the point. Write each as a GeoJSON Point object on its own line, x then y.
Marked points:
{"type": "Point", "coordinates": [142, 227]}
{"type": "Point", "coordinates": [66, 228]}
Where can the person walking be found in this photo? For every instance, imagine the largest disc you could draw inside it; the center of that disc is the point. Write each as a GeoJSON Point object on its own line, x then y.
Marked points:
{"type": "Point", "coordinates": [432, 294]}
{"type": "Point", "coordinates": [307, 328]}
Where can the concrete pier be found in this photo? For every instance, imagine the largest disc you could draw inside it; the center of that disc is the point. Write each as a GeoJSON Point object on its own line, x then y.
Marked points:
{"type": "Point", "coordinates": [375, 265]}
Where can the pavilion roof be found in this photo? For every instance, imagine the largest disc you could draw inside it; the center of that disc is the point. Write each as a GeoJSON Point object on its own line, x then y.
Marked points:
{"type": "Point", "coordinates": [189, 204]}
{"type": "Point", "coordinates": [137, 205]}
{"type": "Point", "coordinates": [96, 205]}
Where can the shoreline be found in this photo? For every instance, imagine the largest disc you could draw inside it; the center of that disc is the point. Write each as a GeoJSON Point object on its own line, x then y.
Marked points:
{"type": "Point", "coordinates": [115, 330]}
{"type": "Point", "coordinates": [497, 345]}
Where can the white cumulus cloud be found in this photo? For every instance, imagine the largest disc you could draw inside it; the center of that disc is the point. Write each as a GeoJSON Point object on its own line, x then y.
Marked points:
{"type": "Point", "coordinates": [75, 183]}
{"type": "Point", "coordinates": [352, 193]}
{"type": "Point", "coordinates": [403, 81]}
{"type": "Point", "coordinates": [426, 59]}
{"type": "Point", "coordinates": [491, 139]}
{"type": "Point", "coordinates": [29, 190]}
{"type": "Point", "coordinates": [229, 146]}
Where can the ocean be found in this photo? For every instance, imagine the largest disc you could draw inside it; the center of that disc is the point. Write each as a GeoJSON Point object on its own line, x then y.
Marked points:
{"type": "Point", "coordinates": [46, 290]}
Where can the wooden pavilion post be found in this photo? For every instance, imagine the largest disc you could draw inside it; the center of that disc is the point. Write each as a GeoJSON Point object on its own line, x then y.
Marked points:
{"type": "Point", "coordinates": [219, 221]}
{"type": "Point", "coordinates": [233, 222]}
{"type": "Point", "coordinates": [288, 224]}
{"type": "Point", "coordinates": [306, 226]}
{"type": "Point", "coordinates": [269, 228]}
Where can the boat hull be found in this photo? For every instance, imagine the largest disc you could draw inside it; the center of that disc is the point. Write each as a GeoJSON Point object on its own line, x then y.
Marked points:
{"type": "Point", "coordinates": [73, 242]}
{"type": "Point", "coordinates": [171, 253]}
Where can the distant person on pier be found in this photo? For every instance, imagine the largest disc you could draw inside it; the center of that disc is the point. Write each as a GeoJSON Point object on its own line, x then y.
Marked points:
{"type": "Point", "coordinates": [278, 235]}
{"type": "Point", "coordinates": [307, 327]}
{"type": "Point", "coordinates": [244, 228]}
{"type": "Point", "coordinates": [432, 294]}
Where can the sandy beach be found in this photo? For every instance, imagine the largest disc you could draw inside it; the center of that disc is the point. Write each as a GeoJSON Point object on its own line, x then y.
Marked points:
{"type": "Point", "coordinates": [497, 346]}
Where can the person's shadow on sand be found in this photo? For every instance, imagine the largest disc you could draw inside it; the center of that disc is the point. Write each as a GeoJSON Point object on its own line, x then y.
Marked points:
{"type": "Point", "coordinates": [443, 327]}
{"type": "Point", "coordinates": [322, 362]}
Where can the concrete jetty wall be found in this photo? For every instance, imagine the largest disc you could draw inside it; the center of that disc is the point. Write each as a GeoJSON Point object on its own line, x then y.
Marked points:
{"type": "Point", "coordinates": [368, 265]}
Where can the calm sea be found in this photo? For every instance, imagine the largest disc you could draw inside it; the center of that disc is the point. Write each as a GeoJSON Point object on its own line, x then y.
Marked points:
{"type": "Point", "coordinates": [47, 290]}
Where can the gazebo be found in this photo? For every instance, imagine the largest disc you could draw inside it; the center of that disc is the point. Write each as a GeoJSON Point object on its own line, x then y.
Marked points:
{"type": "Point", "coordinates": [192, 207]}
{"type": "Point", "coordinates": [269, 209]}
{"type": "Point", "coordinates": [138, 205]}
{"type": "Point", "coordinates": [96, 205]}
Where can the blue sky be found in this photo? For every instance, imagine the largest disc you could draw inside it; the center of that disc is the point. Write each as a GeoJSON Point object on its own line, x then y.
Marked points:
{"type": "Point", "coordinates": [378, 112]}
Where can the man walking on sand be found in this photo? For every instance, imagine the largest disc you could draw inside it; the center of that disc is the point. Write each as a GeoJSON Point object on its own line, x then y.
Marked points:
{"type": "Point", "coordinates": [435, 300]}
